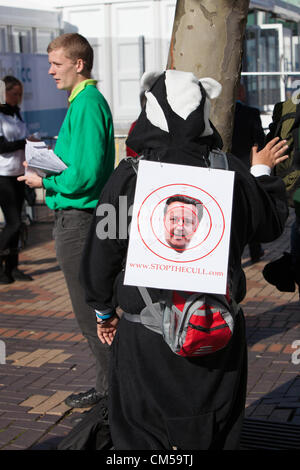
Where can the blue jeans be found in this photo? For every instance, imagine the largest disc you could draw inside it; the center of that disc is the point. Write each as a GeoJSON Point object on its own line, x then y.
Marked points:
{"type": "Point", "coordinates": [70, 230]}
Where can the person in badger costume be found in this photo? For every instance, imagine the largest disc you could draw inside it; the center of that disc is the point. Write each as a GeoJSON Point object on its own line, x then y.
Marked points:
{"type": "Point", "coordinates": [158, 400]}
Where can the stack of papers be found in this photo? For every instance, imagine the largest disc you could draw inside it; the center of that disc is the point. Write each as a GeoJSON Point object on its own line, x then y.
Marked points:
{"type": "Point", "coordinates": [42, 160]}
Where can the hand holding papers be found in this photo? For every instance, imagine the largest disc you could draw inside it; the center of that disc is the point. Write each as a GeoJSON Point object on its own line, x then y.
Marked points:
{"type": "Point", "coordinates": [42, 160]}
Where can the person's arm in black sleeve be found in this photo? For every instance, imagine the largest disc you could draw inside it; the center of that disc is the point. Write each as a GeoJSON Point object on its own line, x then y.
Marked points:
{"type": "Point", "coordinates": [262, 205]}
{"type": "Point", "coordinates": [259, 214]}
{"type": "Point", "coordinates": [276, 116]}
{"type": "Point", "coordinates": [7, 147]}
{"type": "Point", "coordinates": [261, 209]}
{"type": "Point", "coordinates": [104, 256]}
{"type": "Point", "coordinates": [273, 208]}
{"type": "Point", "coordinates": [258, 132]}
{"type": "Point", "coordinates": [101, 262]}
{"type": "Point", "coordinates": [271, 197]}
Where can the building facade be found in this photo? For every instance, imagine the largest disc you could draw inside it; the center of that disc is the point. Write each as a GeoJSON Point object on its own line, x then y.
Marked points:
{"type": "Point", "coordinates": [131, 36]}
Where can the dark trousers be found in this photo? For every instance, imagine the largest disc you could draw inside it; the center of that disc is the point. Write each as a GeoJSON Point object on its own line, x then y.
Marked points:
{"type": "Point", "coordinates": [11, 203]}
{"type": "Point", "coordinates": [255, 250]}
{"type": "Point", "coordinates": [295, 248]}
{"type": "Point", "coordinates": [70, 231]}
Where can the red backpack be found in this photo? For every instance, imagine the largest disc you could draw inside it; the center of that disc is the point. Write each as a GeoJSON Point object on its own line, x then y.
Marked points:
{"type": "Point", "coordinates": [192, 324]}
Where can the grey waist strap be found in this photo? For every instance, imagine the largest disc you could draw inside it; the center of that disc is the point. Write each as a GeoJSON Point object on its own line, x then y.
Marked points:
{"type": "Point", "coordinates": [132, 317]}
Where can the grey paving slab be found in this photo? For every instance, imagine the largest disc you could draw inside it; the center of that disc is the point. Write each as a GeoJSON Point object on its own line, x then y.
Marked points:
{"type": "Point", "coordinates": [40, 315]}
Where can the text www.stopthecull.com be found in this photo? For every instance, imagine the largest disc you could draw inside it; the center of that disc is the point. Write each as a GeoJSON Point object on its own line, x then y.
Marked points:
{"type": "Point", "coordinates": [179, 269]}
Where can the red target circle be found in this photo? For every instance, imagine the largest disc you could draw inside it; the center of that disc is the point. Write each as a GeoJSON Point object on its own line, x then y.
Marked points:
{"type": "Point", "coordinates": [204, 206]}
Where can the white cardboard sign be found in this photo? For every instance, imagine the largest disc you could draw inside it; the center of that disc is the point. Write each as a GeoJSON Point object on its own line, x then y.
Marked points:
{"type": "Point", "coordinates": [180, 230]}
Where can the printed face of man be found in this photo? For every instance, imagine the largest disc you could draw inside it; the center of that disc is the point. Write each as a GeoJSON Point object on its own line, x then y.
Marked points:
{"type": "Point", "coordinates": [65, 72]}
{"type": "Point", "coordinates": [180, 224]}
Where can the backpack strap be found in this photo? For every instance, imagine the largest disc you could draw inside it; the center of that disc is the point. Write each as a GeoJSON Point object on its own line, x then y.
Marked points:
{"type": "Point", "coordinates": [218, 159]}
{"type": "Point", "coordinates": [280, 116]}
{"type": "Point", "coordinates": [297, 116]}
{"type": "Point", "coordinates": [277, 121]}
{"type": "Point", "coordinates": [151, 316]}
{"type": "Point", "coordinates": [134, 161]}
{"type": "Point", "coordinates": [145, 296]}
{"type": "Point", "coordinates": [295, 131]}
{"type": "Point", "coordinates": [284, 118]}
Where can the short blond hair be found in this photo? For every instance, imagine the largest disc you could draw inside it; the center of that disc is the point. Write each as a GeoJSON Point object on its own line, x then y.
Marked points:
{"type": "Point", "coordinates": [75, 47]}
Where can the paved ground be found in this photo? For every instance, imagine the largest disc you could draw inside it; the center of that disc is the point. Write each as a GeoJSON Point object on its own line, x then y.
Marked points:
{"type": "Point", "coordinates": [47, 358]}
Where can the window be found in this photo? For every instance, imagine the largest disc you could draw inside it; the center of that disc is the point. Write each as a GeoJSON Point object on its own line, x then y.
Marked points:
{"type": "Point", "coordinates": [3, 39]}
{"type": "Point", "coordinates": [269, 64]}
{"type": "Point", "coordinates": [22, 40]}
{"type": "Point", "coordinates": [43, 38]}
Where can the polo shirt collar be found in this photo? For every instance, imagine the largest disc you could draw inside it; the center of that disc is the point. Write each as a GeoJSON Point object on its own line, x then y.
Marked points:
{"type": "Point", "coordinates": [81, 87]}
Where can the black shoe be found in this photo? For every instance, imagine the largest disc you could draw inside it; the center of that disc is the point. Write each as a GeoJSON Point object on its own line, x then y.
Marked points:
{"type": "Point", "coordinates": [279, 273]}
{"type": "Point", "coordinates": [6, 278]}
{"type": "Point", "coordinates": [20, 276]}
{"type": "Point", "coordinates": [257, 257]}
{"type": "Point", "coordinates": [84, 399]}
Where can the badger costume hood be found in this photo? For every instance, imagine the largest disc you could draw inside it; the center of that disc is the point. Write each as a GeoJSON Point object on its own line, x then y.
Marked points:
{"type": "Point", "coordinates": [175, 118]}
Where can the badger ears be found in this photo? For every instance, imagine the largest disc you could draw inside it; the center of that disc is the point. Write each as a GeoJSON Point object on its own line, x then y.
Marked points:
{"type": "Point", "coordinates": [211, 86]}
{"type": "Point", "coordinates": [147, 80]}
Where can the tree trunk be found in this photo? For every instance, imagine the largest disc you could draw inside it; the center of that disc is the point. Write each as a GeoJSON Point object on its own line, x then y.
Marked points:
{"type": "Point", "coordinates": [207, 39]}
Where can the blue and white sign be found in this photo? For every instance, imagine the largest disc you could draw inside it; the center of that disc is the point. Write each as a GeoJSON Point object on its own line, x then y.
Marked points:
{"type": "Point", "coordinates": [43, 106]}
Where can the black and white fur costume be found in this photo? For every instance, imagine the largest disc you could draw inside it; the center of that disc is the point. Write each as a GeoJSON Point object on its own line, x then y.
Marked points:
{"type": "Point", "coordinates": [158, 400]}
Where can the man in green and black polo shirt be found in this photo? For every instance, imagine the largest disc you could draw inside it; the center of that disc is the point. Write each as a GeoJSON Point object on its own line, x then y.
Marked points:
{"type": "Point", "coordinates": [86, 145]}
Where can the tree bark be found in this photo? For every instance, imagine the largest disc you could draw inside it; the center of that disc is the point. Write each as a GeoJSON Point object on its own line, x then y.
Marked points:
{"type": "Point", "coordinates": [207, 39]}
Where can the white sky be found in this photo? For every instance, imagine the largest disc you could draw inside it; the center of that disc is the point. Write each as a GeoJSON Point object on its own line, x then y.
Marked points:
{"type": "Point", "coordinates": [42, 4]}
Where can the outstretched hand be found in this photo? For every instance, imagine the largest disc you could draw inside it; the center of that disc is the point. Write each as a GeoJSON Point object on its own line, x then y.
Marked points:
{"type": "Point", "coordinates": [106, 331]}
{"type": "Point", "coordinates": [272, 154]}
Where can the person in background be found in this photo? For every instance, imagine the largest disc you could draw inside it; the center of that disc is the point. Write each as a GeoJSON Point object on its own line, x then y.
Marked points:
{"type": "Point", "coordinates": [129, 151]}
{"type": "Point", "coordinates": [247, 132]}
{"type": "Point", "coordinates": [284, 272]}
{"type": "Point", "coordinates": [13, 131]}
{"type": "Point", "coordinates": [295, 242]}
{"type": "Point", "coordinates": [86, 145]}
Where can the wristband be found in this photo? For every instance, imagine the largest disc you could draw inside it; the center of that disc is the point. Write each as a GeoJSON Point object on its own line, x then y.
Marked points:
{"type": "Point", "coordinates": [103, 317]}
